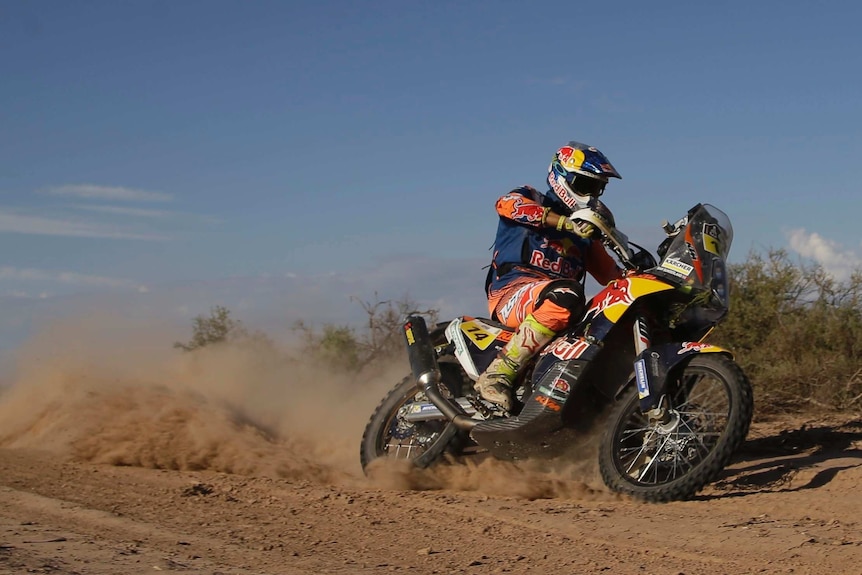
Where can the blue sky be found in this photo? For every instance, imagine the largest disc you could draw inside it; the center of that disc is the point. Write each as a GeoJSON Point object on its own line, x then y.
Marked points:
{"type": "Point", "coordinates": [162, 157]}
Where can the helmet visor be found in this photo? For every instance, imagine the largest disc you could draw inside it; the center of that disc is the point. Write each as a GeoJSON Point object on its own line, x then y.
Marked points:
{"type": "Point", "coordinates": [586, 186]}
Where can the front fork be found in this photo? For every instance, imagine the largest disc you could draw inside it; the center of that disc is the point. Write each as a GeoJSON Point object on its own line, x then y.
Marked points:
{"type": "Point", "coordinates": [652, 404]}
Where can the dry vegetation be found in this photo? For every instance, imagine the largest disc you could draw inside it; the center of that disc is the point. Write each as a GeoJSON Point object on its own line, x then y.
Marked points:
{"type": "Point", "coordinates": [795, 330]}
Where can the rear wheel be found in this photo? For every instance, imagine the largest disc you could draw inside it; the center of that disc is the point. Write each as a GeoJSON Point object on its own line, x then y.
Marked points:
{"type": "Point", "coordinates": [711, 405]}
{"type": "Point", "coordinates": [389, 432]}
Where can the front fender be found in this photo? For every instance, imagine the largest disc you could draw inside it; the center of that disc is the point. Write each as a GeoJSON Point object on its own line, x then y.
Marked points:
{"type": "Point", "coordinates": [655, 363]}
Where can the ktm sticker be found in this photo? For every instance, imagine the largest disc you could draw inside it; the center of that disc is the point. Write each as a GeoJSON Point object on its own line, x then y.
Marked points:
{"type": "Point", "coordinates": [408, 331]}
{"type": "Point", "coordinates": [549, 403]}
{"type": "Point", "coordinates": [481, 334]}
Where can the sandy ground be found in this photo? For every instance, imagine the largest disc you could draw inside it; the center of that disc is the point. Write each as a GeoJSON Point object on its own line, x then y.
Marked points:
{"type": "Point", "coordinates": [115, 463]}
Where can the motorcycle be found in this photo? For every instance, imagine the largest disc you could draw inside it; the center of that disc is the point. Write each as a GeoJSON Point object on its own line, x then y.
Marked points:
{"type": "Point", "coordinates": [673, 407]}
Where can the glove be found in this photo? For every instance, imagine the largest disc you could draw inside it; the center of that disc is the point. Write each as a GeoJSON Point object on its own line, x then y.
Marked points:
{"type": "Point", "coordinates": [577, 227]}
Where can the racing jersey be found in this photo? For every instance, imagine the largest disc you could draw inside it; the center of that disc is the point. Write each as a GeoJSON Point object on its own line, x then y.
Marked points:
{"type": "Point", "coordinates": [523, 248]}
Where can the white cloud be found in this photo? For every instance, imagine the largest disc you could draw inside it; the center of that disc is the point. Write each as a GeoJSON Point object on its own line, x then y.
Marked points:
{"type": "Point", "coordinates": [115, 193]}
{"type": "Point", "coordinates": [12, 222]}
{"type": "Point", "coordinates": [21, 294]}
{"type": "Point", "coordinates": [834, 259]}
{"type": "Point", "coordinates": [66, 278]}
{"type": "Point", "coordinates": [127, 211]}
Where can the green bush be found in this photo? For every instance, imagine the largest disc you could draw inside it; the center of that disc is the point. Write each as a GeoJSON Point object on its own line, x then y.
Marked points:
{"type": "Point", "coordinates": [218, 327]}
{"type": "Point", "coordinates": [796, 331]}
{"type": "Point", "coordinates": [381, 338]}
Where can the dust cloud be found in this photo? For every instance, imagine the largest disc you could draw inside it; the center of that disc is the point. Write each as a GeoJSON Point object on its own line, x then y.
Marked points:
{"type": "Point", "coordinates": [574, 476]}
{"type": "Point", "coordinates": [97, 390]}
{"type": "Point", "coordinates": [108, 391]}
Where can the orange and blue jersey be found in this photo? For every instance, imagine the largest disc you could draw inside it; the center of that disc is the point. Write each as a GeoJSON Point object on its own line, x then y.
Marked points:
{"type": "Point", "coordinates": [524, 249]}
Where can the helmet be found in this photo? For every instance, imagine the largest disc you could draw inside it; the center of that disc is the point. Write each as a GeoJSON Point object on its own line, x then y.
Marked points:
{"type": "Point", "coordinates": [577, 173]}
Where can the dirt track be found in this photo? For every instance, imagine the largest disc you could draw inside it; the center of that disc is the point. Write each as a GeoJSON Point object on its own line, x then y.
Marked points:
{"type": "Point", "coordinates": [114, 462]}
{"type": "Point", "coordinates": [790, 504]}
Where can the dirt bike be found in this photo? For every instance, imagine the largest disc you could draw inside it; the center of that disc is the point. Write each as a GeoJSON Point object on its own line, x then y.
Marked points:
{"type": "Point", "coordinates": [674, 408]}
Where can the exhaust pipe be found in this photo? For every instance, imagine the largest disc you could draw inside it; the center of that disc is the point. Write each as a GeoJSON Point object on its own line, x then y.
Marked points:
{"type": "Point", "coordinates": [426, 372]}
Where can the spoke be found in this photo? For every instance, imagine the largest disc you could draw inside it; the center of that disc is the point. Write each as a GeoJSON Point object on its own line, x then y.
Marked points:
{"type": "Point", "coordinates": [699, 436]}
{"type": "Point", "coordinates": [652, 455]}
{"type": "Point", "coordinates": [653, 460]}
{"type": "Point", "coordinates": [640, 453]}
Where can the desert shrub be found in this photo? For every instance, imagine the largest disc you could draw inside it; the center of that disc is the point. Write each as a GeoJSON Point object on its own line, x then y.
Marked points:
{"type": "Point", "coordinates": [379, 340]}
{"type": "Point", "coordinates": [796, 331]}
{"type": "Point", "coordinates": [220, 327]}
{"type": "Point", "coordinates": [217, 327]}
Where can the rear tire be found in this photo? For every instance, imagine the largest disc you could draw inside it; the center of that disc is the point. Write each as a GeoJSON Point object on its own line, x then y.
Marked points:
{"type": "Point", "coordinates": [387, 434]}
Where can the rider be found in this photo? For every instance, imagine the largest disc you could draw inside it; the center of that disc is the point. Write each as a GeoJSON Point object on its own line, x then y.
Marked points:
{"type": "Point", "coordinates": [535, 283]}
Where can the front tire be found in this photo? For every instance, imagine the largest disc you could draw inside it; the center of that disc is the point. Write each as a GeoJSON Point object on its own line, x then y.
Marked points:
{"type": "Point", "coordinates": [711, 406]}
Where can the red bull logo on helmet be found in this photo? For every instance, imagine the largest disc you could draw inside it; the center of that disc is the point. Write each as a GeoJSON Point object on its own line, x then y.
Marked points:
{"type": "Point", "coordinates": [571, 158]}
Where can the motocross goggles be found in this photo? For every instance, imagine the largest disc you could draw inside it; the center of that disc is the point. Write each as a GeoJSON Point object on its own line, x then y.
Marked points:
{"type": "Point", "coordinates": [585, 185]}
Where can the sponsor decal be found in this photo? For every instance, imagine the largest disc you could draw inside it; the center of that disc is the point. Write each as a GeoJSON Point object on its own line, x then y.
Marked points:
{"type": "Point", "coordinates": [558, 390]}
{"type": "Point", "coordinates": [570, 158]}
{"type": "Point", "coordinates": [480, 333]}
{"type": "Point", "coordinates": [562, 192]}
{"type": "Point", "coordinates": [408, 332]}
{"type": "Point", "coordinates": [617, 292]}
{"type": "Point", "coordinates": [688, 346]}
{"type": "Point", "coordinates": [561, 385]}
{"type": "Point", "coordinates": [677, 267]}
{"type": "Point", "coordinates": [507, 309]}
{"type": "Point", "coordinates": [421, 407]}
{"type": "Point", "coordinates": [558, 266]}
{"type": "Point", "coordinates": [565, 349]}
{"type": "Point", "coordinates": [712, 238]}
{"type": "Point", "coordinates": [520, 209]}
{"type": "Point", "coordinates": [563, 246]}
{"type": "Point", "coordinates": [548, 403]}
{"type": "Point", "coordinates": [641, 378]}
{"type": "Point", "coordinates": [692, 253]}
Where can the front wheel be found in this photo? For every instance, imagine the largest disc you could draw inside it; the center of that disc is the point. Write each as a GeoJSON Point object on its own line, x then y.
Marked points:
{"type": "Point", "coordinates": [711, 406]}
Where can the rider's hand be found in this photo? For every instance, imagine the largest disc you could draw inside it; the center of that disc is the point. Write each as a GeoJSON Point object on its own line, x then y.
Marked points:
{"type": "Point", "coordinates": [577, 227]}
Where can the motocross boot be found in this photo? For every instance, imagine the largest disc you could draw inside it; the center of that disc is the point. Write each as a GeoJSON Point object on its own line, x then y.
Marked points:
{"type": "Point", "coordinates": [495, 384]}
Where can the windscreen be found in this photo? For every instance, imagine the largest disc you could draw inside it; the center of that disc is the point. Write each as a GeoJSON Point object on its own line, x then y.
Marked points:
{"type": "Point", "coordinates": [703, 238]}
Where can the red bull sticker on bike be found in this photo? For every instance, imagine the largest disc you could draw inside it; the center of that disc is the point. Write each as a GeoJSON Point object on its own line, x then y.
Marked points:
{"type": "Point", "coordinates": [566, 350]}
{"type": "Point", "coordinates": [697, 346]}
{"type": "Point", "coordinates": [618, 295]}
